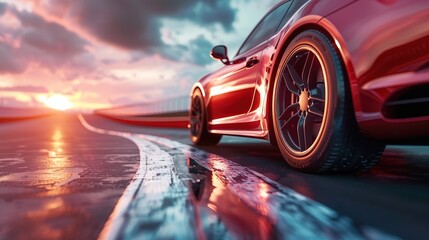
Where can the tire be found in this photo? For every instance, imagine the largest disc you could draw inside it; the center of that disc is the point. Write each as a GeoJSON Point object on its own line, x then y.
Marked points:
{"type": "Point", "coordinates": [312, 110]}
{"type": "Point", "coordinates": [198, 122]}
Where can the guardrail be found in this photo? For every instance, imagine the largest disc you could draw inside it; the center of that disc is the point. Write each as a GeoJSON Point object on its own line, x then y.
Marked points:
{"type": "Point", "coordinates": [165, 113]}
{"type": "Point", "coordinates": [158, 108]}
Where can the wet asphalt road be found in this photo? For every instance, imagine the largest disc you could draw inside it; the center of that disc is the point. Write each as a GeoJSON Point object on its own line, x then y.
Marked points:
{"type": "Point", "coordinates": [59, 180]}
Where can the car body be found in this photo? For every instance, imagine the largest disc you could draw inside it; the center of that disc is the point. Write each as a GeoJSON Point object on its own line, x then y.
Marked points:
{"type": "Point", "coordinates": [383, 50]}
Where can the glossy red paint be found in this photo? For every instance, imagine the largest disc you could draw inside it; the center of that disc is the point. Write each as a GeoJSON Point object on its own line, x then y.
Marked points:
{"type": "Point", "coordinates": [389, 54]}
{"type": "Point", "coordinates": [384, 47]}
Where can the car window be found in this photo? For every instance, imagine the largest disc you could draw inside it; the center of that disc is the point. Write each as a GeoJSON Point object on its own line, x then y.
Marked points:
{"type": "Point", "coordinates": [266, 27]}
{"type": "Point", "coordinates": [297, 4]}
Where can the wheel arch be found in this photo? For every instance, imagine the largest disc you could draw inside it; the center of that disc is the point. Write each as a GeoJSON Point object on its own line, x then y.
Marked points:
{"type": "Point", "coordinates": [197, 86]}
{"type": "Point", "coordinates": [326, 27]}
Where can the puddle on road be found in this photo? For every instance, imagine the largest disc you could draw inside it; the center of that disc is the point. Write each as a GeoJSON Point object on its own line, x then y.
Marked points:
{"type": "Point", "coordinates": [246, 201]}
{"type": "Point", "coordinates": [216, 201]}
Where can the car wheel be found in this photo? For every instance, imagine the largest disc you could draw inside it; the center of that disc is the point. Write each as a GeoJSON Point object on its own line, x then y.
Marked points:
{"type": "Point", "coordinates": [198, 122]}
{"type": "Point", "coordinates": [313, 115]}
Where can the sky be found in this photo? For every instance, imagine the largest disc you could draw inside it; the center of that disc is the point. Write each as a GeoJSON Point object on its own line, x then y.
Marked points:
{"type": "Point", "coordinates": [91, 54]}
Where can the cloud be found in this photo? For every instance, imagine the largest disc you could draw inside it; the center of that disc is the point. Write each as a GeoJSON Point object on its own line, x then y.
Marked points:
{"type": "Point", "coordinates": [2, 8]}
{"type": "Point", "coordinates": [28, 89]}
{"type": "Point", "coordinates": [121, 23]}
{"type": "Point", "coordinates": [15, 102]}
{"type": "Point", "coordinates": [200, 48]}
{"type": "Point", "coordinates": [49, 37]}
{"type": "Point", "coordinates": [195, 52]}
{"type": "Point", "coordinates": [136, 25]}
{"type": "Point", "coordinates": [38, 42]}
{"type": "Point", "coordinates": [104, 52]}
{"type": "Point", "coordinates": [11, 60]}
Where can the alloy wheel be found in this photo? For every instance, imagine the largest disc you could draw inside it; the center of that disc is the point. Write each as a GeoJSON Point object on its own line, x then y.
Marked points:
{"type": "Point", "coordinates": [302, 100]}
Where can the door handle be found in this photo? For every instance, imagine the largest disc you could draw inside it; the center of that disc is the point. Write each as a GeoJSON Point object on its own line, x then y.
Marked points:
{"type": "Point", "coordinates": [252, 62]}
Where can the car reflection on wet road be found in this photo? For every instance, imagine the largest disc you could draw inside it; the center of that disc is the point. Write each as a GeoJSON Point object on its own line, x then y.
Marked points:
{"type": "Point", "coordinates": [59, 180]}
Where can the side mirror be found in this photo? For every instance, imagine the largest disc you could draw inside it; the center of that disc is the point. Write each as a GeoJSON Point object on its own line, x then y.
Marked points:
{"type": "Point", "coordinates": [220, 52]}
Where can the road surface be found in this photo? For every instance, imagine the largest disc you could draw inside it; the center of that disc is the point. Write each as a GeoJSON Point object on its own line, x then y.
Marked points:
{"type": "Point", "coordinates": [64, 177]}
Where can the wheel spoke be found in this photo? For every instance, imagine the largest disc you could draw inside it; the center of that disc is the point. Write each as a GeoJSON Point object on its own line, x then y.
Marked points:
{"type": "Point", "coordinates": [288, 110]}
{"type": "Point", "coordinates": [195, 122]}
{"type": "Point", "coordinates": [313, 110]}
{"type": "Point", "coordinates": [296, 78]}
{"type": "Point", "coordinates": [195, 119]}
{"type": "Point", "coordinates": [318, 93]}
{"type": "Point", "coordinates": [304, 133]}
{"type": "Point", "coordinates": [296, 115]}
{"type": "Point", "coordinates": [194, 110]}
{"type": "Point", "coordinates": [194, 129]}
{"type": "Point", "coordinates": [290, 86]}
{"type": "Point", "coordinates": [306, 72]}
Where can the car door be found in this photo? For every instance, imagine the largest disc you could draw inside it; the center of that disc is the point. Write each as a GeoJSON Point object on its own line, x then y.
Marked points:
{"type": "Point", "coordinates": [232, 88]}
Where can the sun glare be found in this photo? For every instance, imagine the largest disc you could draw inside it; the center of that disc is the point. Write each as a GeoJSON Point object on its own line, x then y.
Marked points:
{"type": "Point", "coordinates": [58, 102]}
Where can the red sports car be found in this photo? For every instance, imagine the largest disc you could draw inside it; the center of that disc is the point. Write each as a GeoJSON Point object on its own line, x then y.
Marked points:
{"type": "Point", "coordinates": [328, 82]}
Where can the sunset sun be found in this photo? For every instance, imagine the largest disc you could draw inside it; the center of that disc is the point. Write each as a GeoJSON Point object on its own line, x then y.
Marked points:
{"type": "Point", "coordinates": [58, 102]}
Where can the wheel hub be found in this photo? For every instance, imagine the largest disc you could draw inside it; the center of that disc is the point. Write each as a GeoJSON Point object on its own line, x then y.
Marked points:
{"type": "Point", "coordinates": [304, 100]}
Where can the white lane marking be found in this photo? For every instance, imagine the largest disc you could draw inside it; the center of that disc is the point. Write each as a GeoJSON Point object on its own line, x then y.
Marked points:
{"type": "Point", "coordinates": [129, 193]}
{"type": "Point", "coordinates": [154, 184]}
{"type": "Point", "coordinates": [295, 216]}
